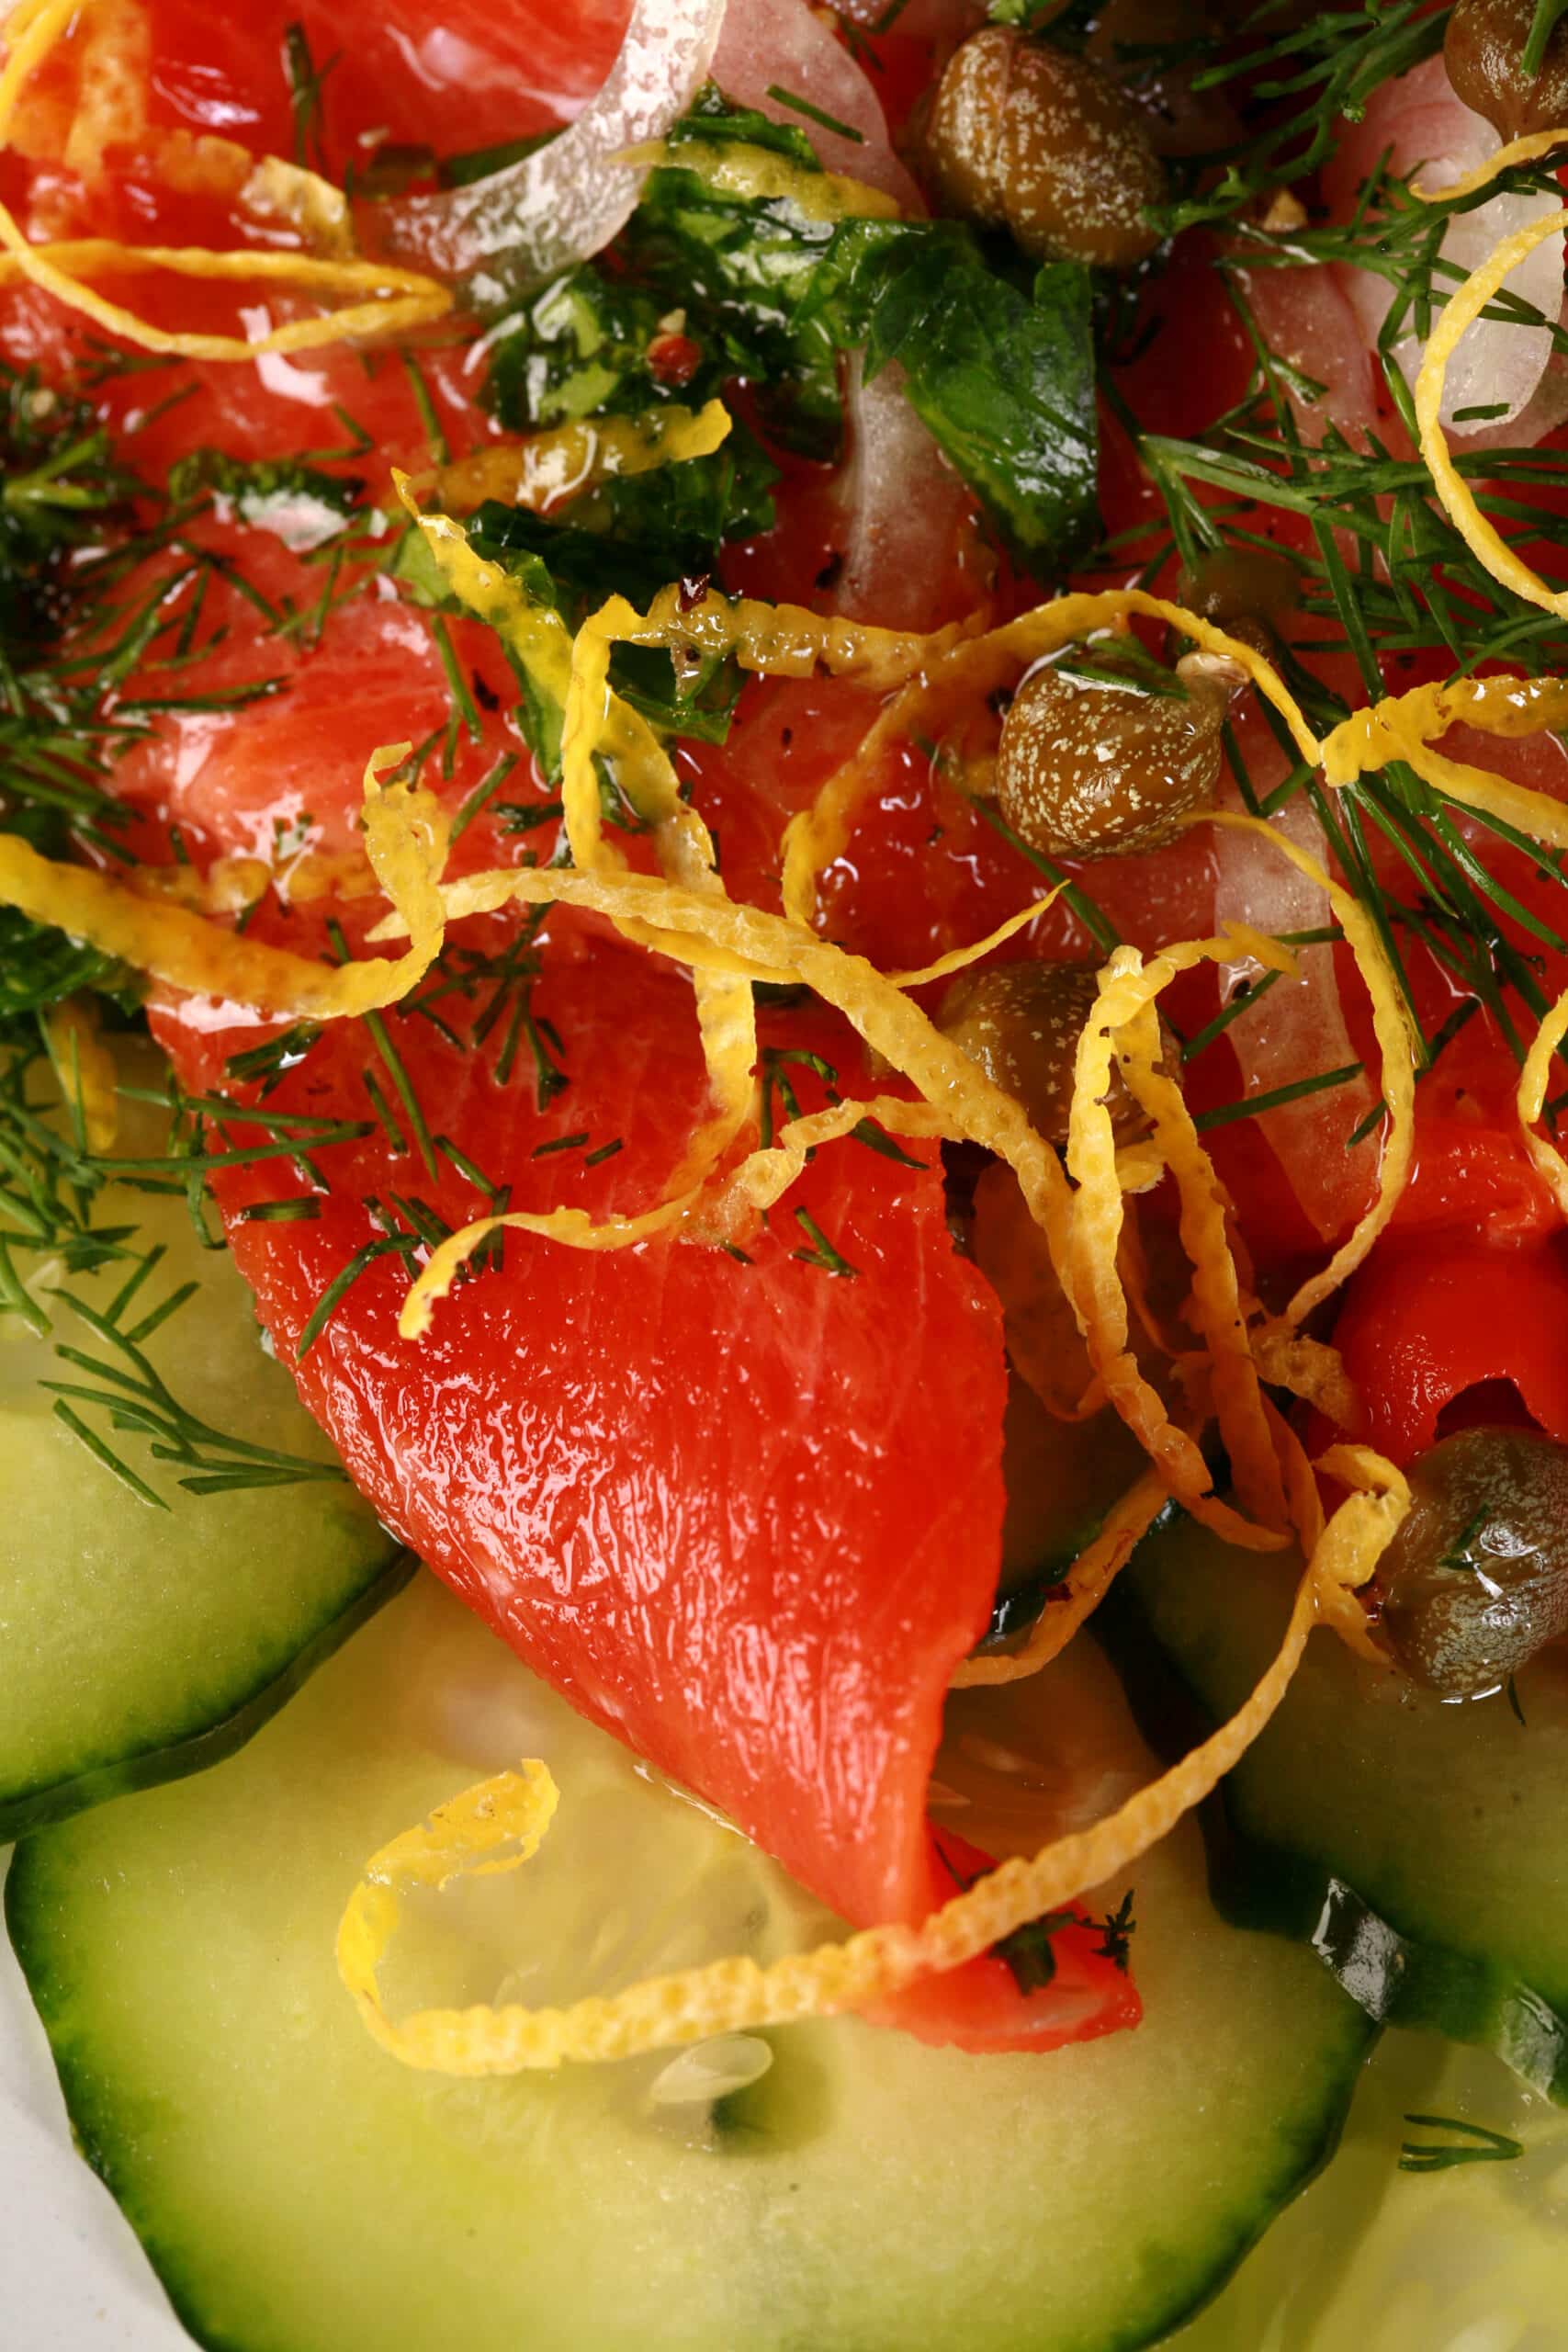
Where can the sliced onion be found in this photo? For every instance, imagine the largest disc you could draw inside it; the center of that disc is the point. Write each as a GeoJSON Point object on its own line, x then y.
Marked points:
{"type": "Point", "coordinates": [557, 206]}
{"type": "Point", "coordinates": [1496, 363]}
{"type": "Point", "coordinates": [1299, 1028]}
{"type": "Point", "coordinates": [906, 511]}
{"type": "Point", "coordinates": [1418, 123]}
{"type": "Point", "coordinates": [770, 45]}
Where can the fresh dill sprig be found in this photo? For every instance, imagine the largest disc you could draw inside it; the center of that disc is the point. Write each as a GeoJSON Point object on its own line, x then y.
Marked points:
{"type": "Point", "coordinates": [64, 1208]}
{"type": "Point", "coordinates": [62, 492]}
{"type": "Point", "coordinates": [1385, 578]}
{"type": "Point", "coordinates": [1295, 82]}
{"type": "Point", "coordinates": [53, 1189]}
{"type": "Point", "coordinates": [776, 1089]}
{"type": "Point", "coordinates": [307, 82]}
{"type": "Point", "coordinates": [400, 1243]}
{"type": "Point", "coordinates": [1473, 2144]}
{"type": "Point", "coordinates": [1117, 1929]}
{"type": "Point", "coordinates": [815, 114]}
{"type": "Point", "coordinates": [819, 1251]}
{"type": "Point", "coordinates": [501, 987]}
{"type": "Point", "coordinates": [124, 1387]}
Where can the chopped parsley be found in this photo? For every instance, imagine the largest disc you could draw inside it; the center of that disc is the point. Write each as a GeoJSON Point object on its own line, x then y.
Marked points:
{"type": "Point", "coordinates": [999, 364]}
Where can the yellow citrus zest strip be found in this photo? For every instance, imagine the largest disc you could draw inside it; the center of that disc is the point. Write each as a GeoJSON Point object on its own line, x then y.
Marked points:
{"type": "Point", "coordinates": [789, 640]}
{"type": "Point", "coordinates": [1530, 1101]}
{"type": "Point", "coordinates": [689, 925]}
{"type": "Point", "coordinates": [280, 190]}
{"type": "Point", "coordinates": [405, 834]}
{"type": "Point", "coordinates": [766, 1175]}
{"type": "Point", "coordinates": [571, 1229]}
{"type": "Point", "coordinates": [727, 1010]}
{"type": "Point", "coordinates": [549, 467]}
{"type": "Point", "coordinates": [84, 1069]}
{"type": "Point", "coordinates": [959, 959]}
{"type": "Point", "coordinates": [1310, 1369]}
{"type": "Point", "coordinates": [585, 720]}
{"type": "Point", "coordinates": [596, 723]}
{"type": "Point", "coordinates": [1395, 1045]}
{"type": "Point", "coordinates": [759, 175]}
{"type": "Point", "coordinates": [712, 1213]}
{"type": "Point", "coordinates": [1356, 1537]}
{"type": "Point", "coordinates": [1304, 1502]}
{"type": "Point", "coordinates": [396, 300]}
{"type": "Point", "coordinates": [1072, 1602]}
{"type": "Point", "coordinates": [959, 674]}
{"type": "Point", "coordinates": [1079, 1231]}
{"type": "Point", "coordinates": [1216, 1310]}
{"type": "Point", "coordinates": [231, 884]}
{"type": "Point", "coordinates": [538, 636]}
{"type": "Point", "coordinates": [1128, 990]}
{"type": "Point", "coordinates": [1528, 150]}
{"type": "Point", "coordinates": [736, 1995]}
{"type": "Point", "coordinates": [542, 642]}
{"type": "Point", "coordinates": [228, 884]}
{"type": "Point", "coordinates": [1403, 726]}
{"type": "Point", "coordinates": [30, 34]}
{"type": "Point", "coordinates": [1463, 307]}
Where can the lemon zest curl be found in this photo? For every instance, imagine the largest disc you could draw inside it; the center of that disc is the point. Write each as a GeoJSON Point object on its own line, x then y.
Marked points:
{"type": "Point", "coordinates": [513, 1811]}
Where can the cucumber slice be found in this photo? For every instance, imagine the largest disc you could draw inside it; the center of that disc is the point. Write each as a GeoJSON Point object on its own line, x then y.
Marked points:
{"type": "Point", "coordinates": [296, 2188]}
{"type": "Point", "coordinates": [137, 1642]}
{"type": "Point", "coordinates": [1467, 2254]}
{"type": "Point", "coordinates": [1417, 1845]}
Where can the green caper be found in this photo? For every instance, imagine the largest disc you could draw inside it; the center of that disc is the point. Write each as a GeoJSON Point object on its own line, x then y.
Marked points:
{"type": "Point", "coordinates": [1485, 52]}
{"type": "Point", "coordinates": [1028, 138]}
{"type": "Point", "coordinates": [1102, 763]}
{"type": "Point", "coordinates": [1476, 1580]}
{"type": "Point", "coordinates": [1021, 1022]}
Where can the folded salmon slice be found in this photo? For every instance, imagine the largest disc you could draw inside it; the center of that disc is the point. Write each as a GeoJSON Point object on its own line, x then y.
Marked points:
{"type": "Point", "coordinates": [746, 1513]}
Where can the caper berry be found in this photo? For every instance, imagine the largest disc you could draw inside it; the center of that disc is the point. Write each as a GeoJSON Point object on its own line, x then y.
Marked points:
{"type": "Point", "coordinates": [1025, 137]}
{"type": "Point", "coordinates": [1021, 1022]}
{"type": "Point", "coordinates": [1476, 1580]}
{"type": "Point", "coordinates": [1485, 52]}
{"type": "Point", "coordinates": [1094, 766]}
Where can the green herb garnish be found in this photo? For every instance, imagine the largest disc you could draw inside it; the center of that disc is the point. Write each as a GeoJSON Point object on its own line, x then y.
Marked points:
{"type": "Point", "coordinates": [1475, 2144]}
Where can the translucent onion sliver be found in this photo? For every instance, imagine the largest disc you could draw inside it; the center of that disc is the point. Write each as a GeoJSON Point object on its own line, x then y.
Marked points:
{"type": "Point", "coordinates": [520, 227]}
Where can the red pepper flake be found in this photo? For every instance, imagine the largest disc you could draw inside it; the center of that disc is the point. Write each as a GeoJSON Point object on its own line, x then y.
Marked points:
{"type": "Point", "coordinates": [673, 359]}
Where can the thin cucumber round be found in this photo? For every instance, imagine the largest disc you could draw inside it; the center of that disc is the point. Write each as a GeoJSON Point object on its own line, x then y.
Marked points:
{"type": "Point", "coordinates": [296, 2188]}
{"type": "Point", "coordinates": [146, 1629]}
{"type": "Point", "coordinates": [1419, 1847]}
{"type": "Point", "coordinates": [1440, 2226]}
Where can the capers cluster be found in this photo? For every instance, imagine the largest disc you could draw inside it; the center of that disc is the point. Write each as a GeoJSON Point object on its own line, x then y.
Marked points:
{"type": "Point", "coordinates": [1021, 1023]}
{"type": "Point", "coordinates": [1476, 1580]}
{"type": "Point", "coordinates": [1025, 137]}
{"type": "Point", "coordinates": [1484, 49]}
{"type": "Point", "coordinates": [1108, 761]}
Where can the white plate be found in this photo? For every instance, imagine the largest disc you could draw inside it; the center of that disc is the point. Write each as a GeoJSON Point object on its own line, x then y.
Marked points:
{"type": "Point", "coordinates": [75, 2279]}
